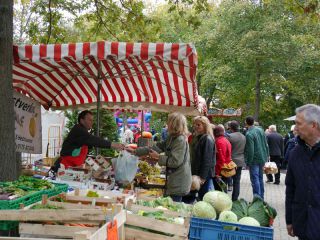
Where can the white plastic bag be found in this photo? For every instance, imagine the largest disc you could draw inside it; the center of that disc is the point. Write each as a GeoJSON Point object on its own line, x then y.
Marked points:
{"type": "Point", "coordinates": [125, 166]}
{"type": "Point", "coordinates": [270, 168]}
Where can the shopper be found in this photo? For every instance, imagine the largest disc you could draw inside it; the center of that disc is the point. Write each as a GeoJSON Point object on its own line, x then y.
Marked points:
{"type": "Point", "coordinates": [238, 143]}
{"type": "Point", "coordinates": [174, 155]}
{"type": "Point", "coordinates": [256, 154]}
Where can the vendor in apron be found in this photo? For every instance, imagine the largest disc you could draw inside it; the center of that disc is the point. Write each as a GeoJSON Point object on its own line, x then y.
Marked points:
{"type": "Point", "coordinates": [75, 147]}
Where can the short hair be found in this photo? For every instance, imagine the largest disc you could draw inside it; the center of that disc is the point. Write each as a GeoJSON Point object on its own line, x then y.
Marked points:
{"type": "Point", "coordinates": [234, 126]}
{"type": "Point", "coordinates": [178, 124]}
{"type": "Point", "coordinates": [250, 120]}
{"type": "Point", "coordinates": [83, 114]}
{"type": "Point", "coordinates": [218, 131]}
{"type": "Point", "coordinates": [311, 113]}
{"type": "Point", "coordinates": [206, 124]}
{"type": "Point", "coordinates": [273, 128]}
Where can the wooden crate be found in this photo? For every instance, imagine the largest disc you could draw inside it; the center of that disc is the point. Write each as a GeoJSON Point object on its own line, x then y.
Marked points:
{"type": "Point", "coordinates": [86, 214]}
{"type": "Point", "coordinates": [135, 208]}
{"type": "Point", "coordinates": [104, 197]}
{"type": "Point", "coordinates": [176, 231]}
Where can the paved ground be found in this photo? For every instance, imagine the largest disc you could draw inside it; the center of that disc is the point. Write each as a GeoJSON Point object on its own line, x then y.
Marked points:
{"type": "Point", "coordinates": [274, 195]}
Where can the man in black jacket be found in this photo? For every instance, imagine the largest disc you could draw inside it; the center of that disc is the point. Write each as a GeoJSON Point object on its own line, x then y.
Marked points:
{"type": "Point", "coordinates": [303, 177]}
{"type": "Point", "coordinates": [275, 143]}
{"type": "Point", "coordinates": [75, 147]}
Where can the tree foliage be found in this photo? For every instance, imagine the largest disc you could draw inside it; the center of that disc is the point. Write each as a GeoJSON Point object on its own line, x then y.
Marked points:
{"type": "Point", "coordinates": [262, 56]}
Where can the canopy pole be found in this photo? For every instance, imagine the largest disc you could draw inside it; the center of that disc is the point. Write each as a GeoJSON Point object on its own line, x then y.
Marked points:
{"type": "Point", "coordinates": [142, 121]}
{"type": "Point", "coordinates": [99, 79]}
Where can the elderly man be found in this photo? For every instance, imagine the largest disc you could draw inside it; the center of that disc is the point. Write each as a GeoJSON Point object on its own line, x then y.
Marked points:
{"type": "Point", "coordinates": [303, 177]}
{"type": "Point", "coordinates": [275, 143]}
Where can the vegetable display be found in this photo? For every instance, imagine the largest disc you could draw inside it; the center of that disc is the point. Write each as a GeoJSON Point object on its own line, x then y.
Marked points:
{"type": "Point", "coordinates": [21, 187]}
{"type": "Point", "coordinates": [257, 209]}
{"type": "Point", "coordinates": [166, 203]}
{"type": "Point", "coordinates": [204, 210]}
{"type": "Point", "coordinates": [219, 200]}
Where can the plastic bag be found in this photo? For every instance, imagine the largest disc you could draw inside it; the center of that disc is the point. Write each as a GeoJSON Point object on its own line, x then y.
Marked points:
{"type": "Point", "coordinates": [270, 168]}
{"type": "Point", "coordinates": [125, 166]}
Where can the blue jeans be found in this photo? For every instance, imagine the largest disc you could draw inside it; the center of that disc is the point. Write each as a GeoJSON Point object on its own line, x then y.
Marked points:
{"type": "Point", "coordinates": [256, 178]}
{"type": "Point", "coordinates": [206, 187]}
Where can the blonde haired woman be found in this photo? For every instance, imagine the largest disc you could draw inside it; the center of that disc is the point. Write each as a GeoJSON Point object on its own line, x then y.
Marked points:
{"type": "Point", "coordinates": [202, 156]}
{"type": "Point", "coordinates": [174, 154]}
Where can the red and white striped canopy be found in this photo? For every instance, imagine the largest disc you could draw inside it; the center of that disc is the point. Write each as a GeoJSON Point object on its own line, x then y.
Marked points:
{"type": "Point", "coordinates": [155, 76]}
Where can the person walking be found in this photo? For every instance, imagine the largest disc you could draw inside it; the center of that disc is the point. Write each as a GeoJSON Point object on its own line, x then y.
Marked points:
{"type": "Point", "coordinates": [256, 153]}
{"type": "Point", "coordinates": [275, 143]}
{"type": "Point", "coordinates": [302, 201]}
{"type": "Point", "coordinates": [238, 143]}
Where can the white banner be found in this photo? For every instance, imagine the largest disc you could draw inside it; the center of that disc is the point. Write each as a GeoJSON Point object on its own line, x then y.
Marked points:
{"type": "Point", "coordinates": [27, 124]}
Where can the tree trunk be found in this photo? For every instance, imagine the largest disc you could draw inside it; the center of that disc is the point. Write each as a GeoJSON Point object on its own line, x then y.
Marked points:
{"type": "Point", "coordinates": [8, 161]}
{"type": "Point", "coordinates": [258, 92]}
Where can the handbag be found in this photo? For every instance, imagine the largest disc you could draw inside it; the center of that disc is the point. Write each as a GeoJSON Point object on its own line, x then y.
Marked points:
{"type": "Point", "coordinates": [229, 170]}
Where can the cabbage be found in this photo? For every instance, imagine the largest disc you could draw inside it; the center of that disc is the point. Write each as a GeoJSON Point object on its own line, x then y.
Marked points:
{"type": "Point", "coordinates": [240, 208]}
{"type": "Point", "coordinates": [250, 221]}
{"type": "Point", "coordinates": [204, 210]}
{"type": "Point", "coordinates": [228, 216]}
{"type": "Point", "coordinates": [219, 200]}
{"type": "Point", "coordinates": [261, 211]}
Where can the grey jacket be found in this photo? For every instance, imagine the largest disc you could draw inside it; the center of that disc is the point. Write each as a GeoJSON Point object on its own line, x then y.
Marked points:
{"type": "Point", "coordinates": [172, 154]}
{"type": "Point", "coordinates": [238, 143]}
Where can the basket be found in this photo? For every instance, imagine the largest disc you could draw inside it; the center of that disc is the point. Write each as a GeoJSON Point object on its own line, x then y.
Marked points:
{"type": "Point", "coordinates": [204, 229]}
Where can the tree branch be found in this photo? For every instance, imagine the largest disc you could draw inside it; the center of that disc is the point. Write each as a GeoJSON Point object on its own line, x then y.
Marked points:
{"type": "Point", "coordinates": [50, 21]}
{"type": "Point", "coordinates": [96, 3]}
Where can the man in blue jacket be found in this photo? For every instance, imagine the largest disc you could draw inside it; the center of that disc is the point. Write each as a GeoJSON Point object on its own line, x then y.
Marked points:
{"type": "Point", "coordinates": [303, 177]}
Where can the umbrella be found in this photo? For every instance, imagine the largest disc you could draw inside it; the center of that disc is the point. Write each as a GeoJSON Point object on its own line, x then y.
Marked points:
{"type": "Point", "coordinates": [113, 75]}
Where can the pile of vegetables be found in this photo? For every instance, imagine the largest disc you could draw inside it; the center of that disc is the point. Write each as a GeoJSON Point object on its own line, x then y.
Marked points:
{"type": "Point", "coordinates": [218, 204]}
{"type": "Point", "coordinates": [23, 186]}
{"type": "Point", "coordinates": [159, 215]}
{"type": "Point", "coordinates": [166, 203]}
{"type": "Point", "coordinates": [257, 209]}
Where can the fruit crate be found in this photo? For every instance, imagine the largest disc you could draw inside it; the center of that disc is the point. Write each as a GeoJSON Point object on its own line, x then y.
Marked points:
{"type": "Point", "coordinates": [27, 200]}
{"type": "Point", "coordinates": [204, 229]}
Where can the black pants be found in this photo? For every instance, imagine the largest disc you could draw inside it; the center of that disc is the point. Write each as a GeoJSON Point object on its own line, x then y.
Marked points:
{"type": "Point", "coordinates": [236, 184]}
{"type": "Point", "coordinates": [277, 160]}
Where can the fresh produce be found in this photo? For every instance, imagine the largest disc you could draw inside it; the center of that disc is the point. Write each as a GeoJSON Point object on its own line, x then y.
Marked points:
{"type": "Point", "coordinates": [132, 145]}
{"type": "Point", "coordinates": [159, 215]}
{"type": "Point", "coordinates": [250, 221]}
{"type": "Point", "coordinates": [219, 200]}
{"type": "Point", "coordinates": [167, 203]}
{"type": "Point", "coordinates": [146, 135]}
{"type": "Point", "coordinates": [258, 209]}
{"type": "Point", "coordinates": [147, 169]}
{"type": "Point", "coordinates": [228, 216]}
{"type": "Point", "coordinates": [204, 210]}
{"type": "Point", "coordinates": [92, 194]}
{"type": "Point", "coordinates": [262, 212]}
{"type": "Point", "coordinates": [45, 206]}
{"type": "Point", "coordinates": [240, 208]}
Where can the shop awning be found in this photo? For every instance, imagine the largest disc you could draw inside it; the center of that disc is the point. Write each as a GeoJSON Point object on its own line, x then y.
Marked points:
{"type": "Point", "coordinates": [155, 76]}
